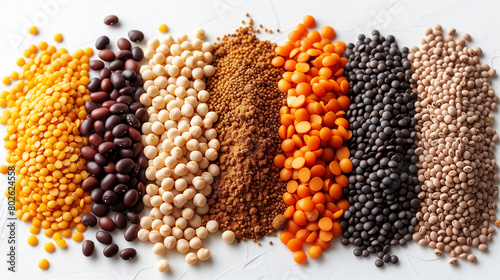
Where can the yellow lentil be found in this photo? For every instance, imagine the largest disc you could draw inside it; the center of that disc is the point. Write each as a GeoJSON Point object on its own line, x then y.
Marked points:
{"type": "Point", "coordinates": [58, 37]}
{"type": "Point", "coordinates": [77, 236]}
{"type": "Point", "coordinates": [33, 30]}
{"type": "Point", "coordinates": [46, 108]}
{"type": "Point", "coordinates": [49, 247]}
{"type": "Point", "coordinates": [4, 168]}
{"type": "Point", "coordinates": [61, 243]}
{"type": "Point", "coordinates": [163, 28]}
{"type": "Point", "coordinates": [32, 240]}
{"type": "Point", "coordinates": [43, 264]}
{"type": "Point", "coordinates": [6, 80]}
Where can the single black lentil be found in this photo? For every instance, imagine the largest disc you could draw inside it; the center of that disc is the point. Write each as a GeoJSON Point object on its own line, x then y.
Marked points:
{"type": "Point", "coordinates": [383, 185]}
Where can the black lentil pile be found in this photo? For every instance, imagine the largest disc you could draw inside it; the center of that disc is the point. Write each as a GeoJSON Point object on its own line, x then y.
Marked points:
{"type": "Point", "coordinates": [383, 185]}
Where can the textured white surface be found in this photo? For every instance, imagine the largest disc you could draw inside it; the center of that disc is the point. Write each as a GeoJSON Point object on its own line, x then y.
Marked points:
{"type": "Point", "coordinates": [81, 23]}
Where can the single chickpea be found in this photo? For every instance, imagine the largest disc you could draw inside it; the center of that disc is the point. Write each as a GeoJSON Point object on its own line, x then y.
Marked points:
{"type": "Point", "coordinates": [199, 85]}
{"type": "Point", "coordinates": [203, 96]}
{"type": "Point", "coordinates": [156, 201]}
{"type": "Point", "coordinates": [163, 48]}
{"type": "Point", "coordinates": [180, 200]}
{"type": "Point", "coordinates": [213, 169]}
{"type": "Point", "coordinates": [182, 246]}
{"type": "Point", "coordinates": [210, 134]}
{"type": "Point", "coordinates": [154, 236]}
{"type": "Point", "coordinates": [208, 57]}
{"type": "Point", "coordinates": [143, 234]}
{"type": "Point", "coordinates": [150, 152]}
{"type": "Point", "coordinates": [173, 71]}
{"type": "Point", "coordinates": [206, 191]}
{"type": "Point", "coordinates": [207, 123]}
{"type": "Point", "coordinates": [169, 220]}
{"type": "Point", "coordinates": [195, 243]}
{"type": "Point", "coordinates": [170, 124]}
{"type": "Point", "coordinates": [197, 44]}
{"type": "Point", "coordinates": [228, 236]}
{"type": "Point", "coordinates": [167, 184]}
{"type": "Point", "coordinates": [146, 200]}
{"type": "Point", "coordinates": [157, 127]}
{"type": "Point", "coordinates": [208, 71]}
{"type": "Point", "coordinates": [199, 200]}
{"type": "Point", "coordinates": [203, 254]}
{"type": "Point", "coordinates": [202, 232]}
{"type": "Point", "coordinates": [196, 156]}
{"type": "Point", "coordinates": [177, 233]}
{"type": "Point", "coordinates": [155, 213]}
{"type": "Point", "coordinates": [151, 173]}
{"type": "Point", "coordinates": [192, 92]}
{"type": "Point", "coordinates": [169, 242]}
{"type": "Point", "coordinates": [191, 258]}
{"type": "Point", "coordinates": [212, 226]}
{"type": "Point", "coordinates": [153, 43]}
{"type": "Point", "coordinates": [149, 53]}
{"type": "Point", "coordinates": [175, 114]}
{"type": "Point", "coordinates": [163, 266]}
{"type": "Point", "coordinates": [156, 224]}
{"type": "Point", "coordinates": [165, 230]}
{"type": "Point", "coordinates": [158, 249]}
{"type": "Point", "coordinates": [163, 115]}
{"type": "Point", "coordinates": [211, 154]}
{"type": "Point", "coordinates": [187, 110]}
{"type": "Point", "coordinates": [192, 167]}
{"type": "Point", "coordinates": [180, 184]}
{"type": "Point", "coordinates": [197, 73]}
{"type": "Point", "coordinates": [181, 169]}
{"type": "Point", "coordinates": [207, 47]}
{"type": "Point", "coordinates": [189, 233]}
{"type": "Point", "coordinates": [176, 152]}
{"type": "Point", "coordinates": [166, 208]}
{"type": "Point", "coordinates": [199, 33]}
{"type": "Point", "coordinates": [187, 213]}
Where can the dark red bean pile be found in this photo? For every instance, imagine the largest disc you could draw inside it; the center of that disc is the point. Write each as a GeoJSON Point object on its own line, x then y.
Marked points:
{"type": "Point", "coordinates": [114, 154]}
{"type": "Point", "coordinates": [383, 185]}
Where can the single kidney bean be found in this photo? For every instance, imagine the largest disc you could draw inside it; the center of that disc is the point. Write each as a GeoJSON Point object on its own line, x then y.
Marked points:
{"type": "Point", "coordinates": [108, 182]}
{"type": "Point", "coordinates": [124, 142]}
{"type": "Point", "coordinates": [96, 195]}
{"type": "Point", "coordinates": [94, 84]}
{"type": "Point", "coordinates": [102, 42]}
{"type": "Point", "coordinates": [133, 121]}
{"type": "Point", "coordinates": [128, 254]}
{"type": "Point", "coordinates": [100, 113]}
{"type": "Point", "coordinates": [133, 218]}
{"type": "Point", "coordinates": [104, 237]}
{"type": "Point", "coordinates": [129, 74]}
{"type": "Point", "coordinates": [120, 130]}
{"type": "Point", "coordinates": [90, 106]}
{"type": "Point", "coordinates": [117, 80]}
{"type": "Point", "coordinates": [122, 178]}
{"type": "Point", "coordinates": [99, 97]}
{"type": "Point", "coordinates": [124, 165]}
{"type": "Point", "coordinates": [127, 90]}
{"type": "Point", "coordinates": [106, 223]}
{"type": "Point", "coordinates": [109, 197]}
{"type": "Point", "coordinates": [96, 64]}
{"type": "Point", "coordinates": [119, 108]}
{"type": "Point", "coordinates": [108, 103]}
{"type": "Point", "coordinates": [106, 147]}
{"type": "Point", "coordinates": [123, 44]}
{"type": "Point", "coordinates": [105, 73]}
{"type": "Point", "coordinates": [106, 55]}
{"type": "Point", "coordinates": [111, 20]}
{"type": "Point", "coordinates": [142, 115]}
{"type": "Point", "coordinates": [90, 183]}
{"type": "Point", "coordinates": [99, 126]}
{"type": "Point", "coordinates": [95, 140]}
{"type": "Point", "coordinates": [120, 188]}
{"type": "Point", "coordinates": [108, 136]}
{"type": "Point", "coordinates": [110, 168]}
{"type": "Point", "coordinates": [131, 197]}
{"type": "Point", "coordinates": [110, 250]}
{"type": "Point", "coordinates": [116, 65]}
{"type": "Point", "coordinates": [106, 85]}
{"type": "Point", "coordinates": [99, 209]}
{"type": "Point", "coordinates": [131, 232]}
{"type": "Point", "coordinates": [89, 220]}
{"type": "Point", "coordinates": [111, 122]}
{"type": "Point", "coordinates": [123, 55]}
{"type": "Point", "coordinates": [118, 207]}
{"type": "Point", "coordinates": [93, 168]}
{"type": "Point", "coordinates": [135, 36]}
{"type": "Point", "coordinates": [137, 53]}
{"type": "Point", "coordinates": [86, 127]}
{"type": "Point", "coordinates": [131, 64]}
{"type": "Point", "coordinates": [120, 220]}
{"type": "Point", "coordinates": [138, 207]}
{"type": "Point", "coordinates": [88, 248]}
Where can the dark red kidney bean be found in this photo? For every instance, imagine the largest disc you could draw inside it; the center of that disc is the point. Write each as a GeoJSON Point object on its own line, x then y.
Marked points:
{"type": "Point", "coordinates": [95, 140]}
{"type": "Point", "coordinates": [99, 126]}
{"type": "Point", "coordinates": [131, 64]}
{"type": "Point", "coordinates": [134, 134]}
{"type": "Point", "coordinates": [110, 250]}
{"type": "Point", "coordinates": [137, 81]}
{"type": "Point", "coordinates": [126, 90]}
{"type": "Point", "coordinates": [131, 232]}
{"type": "Point", "coordinates": [124, 142]}
{"type": "Point", "coordinates": [99, 96]}
{"type": "Point", "coordinates": [104, 237]}
{"type": "Point", "coordinates": [120, 130]}
{"type": "Point", "coordinates": [105, 73]}
{"type": "Point", "coordinates": [124, 165]}
{"type": "Point", "coordinates": [137, 148]}
{"type": "Point", "coordinates": [112, 121]}
{"type": "Point", "coordinates": [99, 209]}
{"type": "Point", "coordinates": [114, 94]}
{"type": "Point", "coordinates": [137, 94]}
{"type": "Point", "coordinates": [135, 36]}
{"type": "Point", "coordinates": [90, 106]}
{"type": "Point", "coordinates": [106, 55]}
{"type": "Point", "coordinates": [123, 55]}
{"type": "Point", "coordinates": [111, 20]}
{"type": "Point", "coordinates": [110, 168]}
{"type": "Point", "coordinates": [137, 53]}
{"type": "Point", "coordinates": [142, 115]}
{"type": "Point", "coordinates": [106, 85]}
{"type": "Point", "coordinates": [108, 103]}
{"type": "Point", "coordinates": [142, 161]}
{"type": "Point", "coordinates": [117, 80]}
{"type": "Point", "coordinates": [88, 152]}
{"type": "Point", "coordinates": [90, 183]}
{"type": "Point", "coordinates": [96, 195]}
{"type": "Point", "coordinates": [133, 218]}
{"type": "Point", "coordinates": [129, 74]}
{"type": "Point", "coordinates": [142, 176]}
{"type": "Point", "coordinates": [86, 127]}
{"type": "Point", "coordinates": [130, 198]}
{"type": "Point", "coordinates": [135, 106]}
{"type": "Point", "coordinates": [128, 254]}
{"type": "Point", "coordinates": [102, 42]}
{"type": "Point", "coordinates": [123, 44]}
{"type": "Point", "coordinates": [109, 197]}
{"type": "Point", "coordinates": [122, 178]}
{"type": "Point", "coordinates": [100, 113]}
{"type": "Point", "coordinates": [119, 108]}
{"type": "Point", "coordinates": [100, 159]}
{"type": "Point", "coordinates": [118, 207]}
{"type": "Point", "coordinates": [106, 224]}
{"type": "Point", "coordinates": [108, 182]}
{"type": "Point", "coordinates": [141, 188]}
{"type": "Point", "coordinates": [120, 220]}
{"type": "Point", "coordinates": [125, 153]}
{"type": "Point", "coordinates": [125, 98]}
{"type": "Point", "coordinates": [116, 65]}
{"type": "Point", "coordinates": [93, 168]}
{"type": "Point", "coordinates": [88, 248]}
{"type": "Point", "coordinates": [108, 136]}
{"type": "Point", "coordinates": [137, 208]}
{"type": "Point", "coordinates": [89, 220]}
{"type": "Point", "coordinates": [94, 84]}
{"type": "Point", "coordinates": [106, 147]}
{"type": "Point", "coordinates": [96, 64]}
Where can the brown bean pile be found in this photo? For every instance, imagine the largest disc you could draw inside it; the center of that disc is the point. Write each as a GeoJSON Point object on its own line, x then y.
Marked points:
{"type": "Point", "coordinates": [455, 141]}
{"type": "Point", "coordinates": [244, 93]}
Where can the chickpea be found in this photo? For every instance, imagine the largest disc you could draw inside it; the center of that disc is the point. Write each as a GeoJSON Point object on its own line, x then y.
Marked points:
{"type": "Point", "coordinates": [169, 242]}
{"type": "Point", "coordinates": [202, 232]}
{"type": "Point", "coordinates": [195, 156]}
{"type": "Point", "coordinates": [199, 200]}
{"type": "Point", "coordinates": [180, 184]}
{"type": "Point", "coordinates": [155, 213]}
{"type": "Point", "coordinates": [191, 258]}
{"type": "Point", "coordinates": [195, 243]}
{"type": "Point", "coordinates": [177, 232]}
{"type": "Point", "coordinates": [169, 220]}
{"type": "Point", "coordinates": [214, 144]}
{"type": "Point", "coordinates": [159, 249]}
{"type": "Point", "coordinates": [166, 208]}
{"type": "Point", "coordinates": [163, 266]}
{"type": "Point", "coordinates": [203, 254]}
{"type": "Point", "coordinates": [195, 221]}
{"type": "Point", "coordinates": [180, 200]}
{"type": "Point", "coordinates": [206, 191]}
{"type": "Point", "coordinates": [167, 184]}
{"type": "Point", "coordinates": [213, 169]}
{"type": "Point", "coordinates": [182, 246]}
{"type": "Point", "coordinates": [143, 234]}
{"type": "Point", "coordinates": [203, 209]}
{"type": "Point", "coordinates": [156, 201]}
{"type": "Point", "coordinates": [212, 226]}
{"type": "Point", "coordinates": [228, 236]}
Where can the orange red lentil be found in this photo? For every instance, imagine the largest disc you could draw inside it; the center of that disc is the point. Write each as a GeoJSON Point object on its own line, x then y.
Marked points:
{"type": "Point", "coordinates": [313, 131]}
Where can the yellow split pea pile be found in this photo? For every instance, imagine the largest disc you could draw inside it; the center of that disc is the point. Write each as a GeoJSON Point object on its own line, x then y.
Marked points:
{"type": "Point", "coordinates": [46, 107]}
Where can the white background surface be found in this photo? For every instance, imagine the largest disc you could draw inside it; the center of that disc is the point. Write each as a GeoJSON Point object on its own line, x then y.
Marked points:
{"type": "Point", "coordinates": [81, 23]}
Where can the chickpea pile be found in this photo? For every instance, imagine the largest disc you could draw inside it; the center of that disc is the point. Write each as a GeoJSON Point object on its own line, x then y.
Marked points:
{"type": "Point", "coordinates": [180, 143]}
{"type": "Point", "coordinates": [43, 142]}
